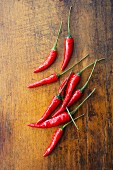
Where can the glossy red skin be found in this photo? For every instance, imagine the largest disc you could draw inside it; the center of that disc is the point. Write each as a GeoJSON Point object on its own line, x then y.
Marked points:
{"type": "Point", "coordinates": [53, 105]}
{"type": "Point", "coordinates": [68, 50]}
{"type": "Point", "coordinates": [52, 78]}
{"type": "Point", "coordinates": [58, 120]}
{"type": "Point", "coordinates": [76, 95]}
{"type": "Point", "coordinates": [55, 139]}
{"type": "Point", "coordinates": [73, 81]}
{"type": "Point", "coordinates": [47, 63]}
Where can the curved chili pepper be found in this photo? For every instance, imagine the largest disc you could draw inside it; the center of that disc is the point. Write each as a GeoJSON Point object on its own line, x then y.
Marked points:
{"type": "Point", "coordinates": [68, 50]}
{"type": "Point", "coordinates": [68, 45]}
{"type": "Point", "coordinates": [52, 56]}
{"type": "Point", "coordinates": [60, 119]}
{"type": "Point", "coordinates": [53, 105]}
{"type": "Point", "coordinates": [78, 93]}
{"type": "Point", "coordinates": [57, 136]}
{"type": "Point", "coordinates": [55, 102]}
{"type": "Point", "coordinates": [53, 78]}
{"type": "Point", "coordinates": [74, 79]}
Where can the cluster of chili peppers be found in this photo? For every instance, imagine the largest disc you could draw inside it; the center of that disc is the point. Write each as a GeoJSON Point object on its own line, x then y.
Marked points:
{"type": "Point", "coordinates": [68, 50]}
{"type": "Point", "coordinates": [67, 92]}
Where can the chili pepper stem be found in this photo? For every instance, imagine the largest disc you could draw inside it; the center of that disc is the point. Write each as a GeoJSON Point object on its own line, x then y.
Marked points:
{"type": "Point", "coordinates": [90, 65]}
{"type": "Point", "coordinates": [82, 102]}
{"type": "Point", "coordinates": [71, 121]}
{"type": "Point", "coordinates": [73, 65]}
{"type": "Point", "coordinates": [55, 45]}
{"type": "Point", "coordinates": [71, 118]}
{"type": "Point", "coordinates": [82, 89]}
{"type": "Point", "coordinates": [69, 35]}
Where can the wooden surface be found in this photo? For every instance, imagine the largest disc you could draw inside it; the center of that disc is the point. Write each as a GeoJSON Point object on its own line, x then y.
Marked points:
{"type": "Point", "coordinates": [28, 29]}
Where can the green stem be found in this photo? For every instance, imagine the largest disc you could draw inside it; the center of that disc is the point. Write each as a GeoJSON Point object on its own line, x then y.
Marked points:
{"type": "Point", "coordinates": [82, 89]}
{"type": "Point", "coordinates": [79, 73]}
{"type": "Point", "coordinates": [59, 31]}
{"type": "Point", "coordinates": [71, 118]}
{"type": "Point", "coordinates": [69, 35]}
{"type": "Point", "coordinates": [82, 102]}
{"type": "Point", "coordinates": [90, 65]}
{"type": "Point", "coordinates": [73, 66]}
{"type": "Point", "coordinates": [71, 121]}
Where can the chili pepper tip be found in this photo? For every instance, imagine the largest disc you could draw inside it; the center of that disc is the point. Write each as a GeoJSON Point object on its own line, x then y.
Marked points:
{"type": "Point", "coordinates": [31, 125]}
{"type": "Point", "coordinates": [29, 86]}
{"type": "Point", "coordinates": [45, 154]}
{"type": "Point", "coordinates": [35, 71]}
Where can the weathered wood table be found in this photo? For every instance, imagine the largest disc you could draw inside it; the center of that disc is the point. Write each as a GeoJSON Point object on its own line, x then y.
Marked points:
{"type": "Point", "coordinates": [28, 29]}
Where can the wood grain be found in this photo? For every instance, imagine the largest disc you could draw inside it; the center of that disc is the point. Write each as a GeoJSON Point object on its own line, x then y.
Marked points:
{"type": "Point", "coordinates": [28, 29]}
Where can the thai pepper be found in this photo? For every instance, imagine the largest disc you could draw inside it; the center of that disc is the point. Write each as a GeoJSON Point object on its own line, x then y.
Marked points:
{"type": "Point", "coordinates": [54, 77]}
{"type": "Point", "coordinates": [68, 45]}
{"type": "Point", "coordinates": [56, 137]}
{"type": "Point", "coordinates": [60, 119]}
{"type": "Point", "coordinates": [52, 55]}
{"type": "Point", "coordinates": [54, 103]}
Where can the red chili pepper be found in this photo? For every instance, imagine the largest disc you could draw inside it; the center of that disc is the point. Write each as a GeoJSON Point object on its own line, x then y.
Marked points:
{"type": "Point", "coordinates": [57, 136]}
{"type": "Point", "coordinates": [54, 104]}
{"type": "Point", "coordinates": [52, 78]}
{"type": "Point", "coordinates": [78, 93]}
{"type": "Point", "coordinates": [52, 56]}
{"type": "Point", "coordinates": [47, 80]}
{"type": "Point", "coordinates": [68, 45]}
{"type": "Point", "coordinates": [60, 119]}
